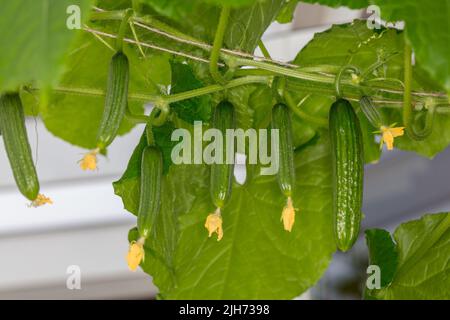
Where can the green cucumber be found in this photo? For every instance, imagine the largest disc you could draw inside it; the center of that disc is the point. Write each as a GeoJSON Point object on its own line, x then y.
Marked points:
{"type": "Point", "coordinates": [348, 172]}
{"type": "Point", "coordinates": [150, 191]}
{"type": "Point", "coordinates": [115, 100]}
{"type": "Point", "coordinates": [222, 173]}
{"type": "Point", "coordinates": [286, 173]}
{"type": "Point", "coordinates": [12, 122]}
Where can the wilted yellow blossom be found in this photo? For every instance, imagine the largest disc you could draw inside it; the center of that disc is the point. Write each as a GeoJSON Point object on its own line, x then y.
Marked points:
{"type": "Point", "coordinates": [89, 160]}
{"type": "Point", "coordinates": [214, 224]}
{"type": "Point", "coordinates": [388, 135]}
{"type": "Point", "coordinates": [288, 215]}
{"type": "Point", "coordinates": [135, 254]}
{"type": "Point", "coordinates": [40, 201]}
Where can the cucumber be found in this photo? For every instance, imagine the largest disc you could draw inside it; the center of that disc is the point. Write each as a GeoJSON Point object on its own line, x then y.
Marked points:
{"type": "Point", "coordinates": [348, 172]}
{"type": "Point", "coordinates": [150, 192]}
{"type": "Point", "coordinates": [286, 173]}
{"type": "Point", "coordinates": [222, 174]}
{"type": "Point", "coordinates": [115, 100]}
{"type": "Point", "coordinates": [12, 122]}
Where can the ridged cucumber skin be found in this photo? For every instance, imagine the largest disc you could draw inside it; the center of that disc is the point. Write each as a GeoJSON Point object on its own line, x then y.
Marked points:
{"type": "Point", "coordinates": [222, 174]}
{"type": "Point", "coordinates": [150, 189]}
{"type": "Point", "coordinates": [281, 120]}
{"type": "Point", "coordinates": [115, 100]}
{"type": "Point", "coordinates": [12, 122]}
{"type": "Point", "coordinates": [348, 172]}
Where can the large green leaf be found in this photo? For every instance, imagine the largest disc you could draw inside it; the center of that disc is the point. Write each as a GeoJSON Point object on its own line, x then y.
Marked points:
{"type": "Point", "coordinates": [382, 253]}
{"type": "Point", "coordinates": [423, 270]}
{"type": "Point", "coordinates": [183, 79]}
{"type": "Point", "coordinates": [247, 25]}
{"type": "Point", "coordinates": [35, 40]}
{"type": "Point", "coordinates": [427, 28]}
{"type": "Point", "coordinates": [256, 259]}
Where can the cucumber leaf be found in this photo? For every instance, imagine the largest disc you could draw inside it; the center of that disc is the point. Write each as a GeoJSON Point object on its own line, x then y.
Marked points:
{"type": "Point", "coordinates": [184, 79]}
{"type": "Point", "coordinates": [382, 253]}
{"type": "Point", "coordinates": [36, 40]}
{"type": "Point", "coordinates": [426, 25]}
{"type": "Point", "coordinates": [423, 270]}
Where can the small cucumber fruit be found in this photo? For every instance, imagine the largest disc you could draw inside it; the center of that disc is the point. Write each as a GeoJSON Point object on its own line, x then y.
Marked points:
{"type": "Point", "coordinates": [286, 173]}
{"type": "Point", "coordinates": [348, 172]}
{"type": "Point", "coordinates": [12, 122]}
{"type": "Point", "coordinates": [115, 100]}
{"type": "Point", "coordinates": [150, 189]}
{"type": "Point", "coordinates": [222, 174]}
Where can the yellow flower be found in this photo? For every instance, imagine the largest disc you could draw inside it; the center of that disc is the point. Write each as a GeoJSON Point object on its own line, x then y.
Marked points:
{"type": "Point", "coordinates": [89, 161]}
{"type": "Point", "coordinates": [135, 254]}
{"type": "Point", "coordinates": [40, 201]}
{"type": "Point", "coordinates": [288, 215]}
{"type": "Point", "coordinates": [389, 134]}
{"type": "Point", "coordinates": [214, 224]}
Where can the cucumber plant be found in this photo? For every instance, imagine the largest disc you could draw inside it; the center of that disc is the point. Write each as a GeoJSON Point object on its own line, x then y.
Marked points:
{"type": "Point", "coordinates": [216, 45]}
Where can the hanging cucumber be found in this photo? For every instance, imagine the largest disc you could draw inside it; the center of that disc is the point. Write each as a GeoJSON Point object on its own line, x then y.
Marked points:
{"type": "Point", "coordinates": [12, 122]}
{"type": "Point", "coordinates": [221, 173]}
{"type": "Point", "coordinates": [281, 121]}
{"type": "Point", "coordinates": [348, 172]}
{"type": "Point", "coordinates": [150, 192]}
{"type": "Point", "coordinates": [149, 202]}
{"type": "Point", "coordinates": [114, 110]}
{"type": "Point", "coordinates": [115, 100]}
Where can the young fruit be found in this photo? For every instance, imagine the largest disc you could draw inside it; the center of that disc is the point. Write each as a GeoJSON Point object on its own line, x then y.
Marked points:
{"type": "Point", "coordinates": [115, 100]}
{"type": "Point", "coordinates": [150, 192]}
{"type": "Point", "coordinates": [221, 173]}
{"type": "Point", "coordinates": [12, 122]}
{"type": "Point", "coordinates": [286, 173]}
{"type": "Point", "coordinates": [149, 202]}
{"type": "Point", "coordinates": [348, 172]}
{"type": "Point", "coordinates": [115, 108]}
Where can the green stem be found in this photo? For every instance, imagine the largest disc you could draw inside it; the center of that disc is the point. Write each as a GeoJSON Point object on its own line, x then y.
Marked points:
{"type": "Point", "coordinates": [218, 41]}
{"type": "Point", "coordinates": [302, 115]}
{"type": "Point", "coordinates": [408, 105]}
{"type": "Point", "coordinates": [263, 49]}
{"type": "Point", "coordinates": [123, 29]}
{"type": "Point", "coordinates": [215, 88]}
{"type": "Point", "coordinates": [159, 116]}
{"type": "Point", "coordinates": [136, 118]}
{"type": "Point", "coordinates": [107, 15]}
{"type": "Point", "coordinates": [337, 80]}
{"type": "Point", "coordinates": [253, 72]}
